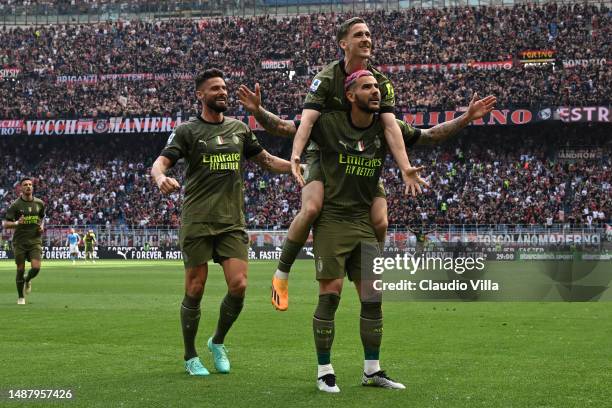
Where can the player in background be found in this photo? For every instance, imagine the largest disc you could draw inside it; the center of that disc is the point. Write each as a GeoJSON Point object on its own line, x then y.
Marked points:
{"type": "Point", "coordinates": [212, 217]}
{"type": "Point", "coordinates": [26, 215]}
{"type": "Point", "coordinates": [90, 243]}
{"type": "Point", "coordinates": [73, 239]}
{"type": "Point", "coordinates": [326, 94]}
{"type": "Point", "coordinates": [288, 128]}
{"type": "Point", "coordinates": [420, 235]}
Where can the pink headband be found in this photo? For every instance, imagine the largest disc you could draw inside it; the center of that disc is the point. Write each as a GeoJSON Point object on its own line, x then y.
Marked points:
{"type": "Point", "coordinates": [350, 80]}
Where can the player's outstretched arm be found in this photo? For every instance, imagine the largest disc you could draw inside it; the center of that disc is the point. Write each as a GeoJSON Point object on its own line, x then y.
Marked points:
{"type": "Point", "coordinates": [395, 141]}
{"type": "Point", "coordinates": [272, 163]}
{"type": "Point", "coordinates": [269, 121]}
{"type": "Point", "coordinates": [309, 117]}
{"type": "Point", "coordinates": [166, 185]}
{"type": "Point", "coordinates": [476, 110]}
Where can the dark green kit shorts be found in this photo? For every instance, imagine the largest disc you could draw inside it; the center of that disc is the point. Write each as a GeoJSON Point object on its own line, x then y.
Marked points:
{"type": "Point", "coordinates": [203, 241]}
{"type": "Point", "coordinates": [27, 252]}
{"type": "Point", "coordinates": [338, 248]}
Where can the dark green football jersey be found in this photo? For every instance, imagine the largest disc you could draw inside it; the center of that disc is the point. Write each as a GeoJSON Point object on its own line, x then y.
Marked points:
{"type": "Point", "coordinates": [214, 154]}
{"type": "Point", "coordinates": [89, 239]}
{"type": "Point", "coordinates": [326, 92]}
{"type": "Point", "coordinates": [351, 161]}
{"type": "Point", "coordinates": [33, 213]}
{"type": "Point", "coordinates": [410, 134]}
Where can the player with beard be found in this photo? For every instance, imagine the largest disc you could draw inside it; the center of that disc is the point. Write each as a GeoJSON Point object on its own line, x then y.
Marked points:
{"type": "Point", "coordinates": [326, 94]}
{"type": "Point", "coordinates": [26, 215]}
{"type": "Point", "coordinates": [352, 151]}
{"type": "Point", "coordinates": [276, 126]}
{"type": "Point", "coordinates": [212, 219]}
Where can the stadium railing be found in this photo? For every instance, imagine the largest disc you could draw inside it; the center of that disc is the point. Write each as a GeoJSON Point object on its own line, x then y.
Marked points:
{"type": "Point", "coordinates": [91, 12]}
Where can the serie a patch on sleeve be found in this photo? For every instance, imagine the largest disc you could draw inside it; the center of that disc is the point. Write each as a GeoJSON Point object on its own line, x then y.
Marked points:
{"type": "Point", "coordinates": [170, 139]}
{"type": "Point", "coordinates": [315, 85]}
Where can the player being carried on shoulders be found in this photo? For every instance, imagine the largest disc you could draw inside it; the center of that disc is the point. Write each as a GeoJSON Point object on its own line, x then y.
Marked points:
{"type": "Point", "coordinates": [326, 94]}
{"type": "Point", "coordinates": [305, 218]}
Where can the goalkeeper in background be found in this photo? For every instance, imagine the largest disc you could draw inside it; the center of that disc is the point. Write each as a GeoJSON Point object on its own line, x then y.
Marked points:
{"type": "Point", "coordinates": [73, 239]}
{"type": "Point", "coordinates": [90, 242]}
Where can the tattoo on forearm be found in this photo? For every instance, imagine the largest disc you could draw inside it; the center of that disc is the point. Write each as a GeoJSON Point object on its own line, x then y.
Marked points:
{"type": "Point", "coordinates": [273, 123]}
{"type": "Point", "coordinates": [265, 161]}
{"type": "Point", "coordinates": [443, 131]}
{"type": "Point", "coordinates": [267, 119]}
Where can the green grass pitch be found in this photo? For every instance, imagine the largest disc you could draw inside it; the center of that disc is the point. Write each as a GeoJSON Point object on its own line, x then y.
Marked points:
{"type": "Point", "coordinates": [111, 333]}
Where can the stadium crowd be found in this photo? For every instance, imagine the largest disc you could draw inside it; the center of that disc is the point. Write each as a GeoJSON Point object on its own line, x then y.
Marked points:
{"type": "Point", "coordinates": [486, 176]}
{"type": "Point", "coordinates": [55, 64]}
{"type": "Point", "coordinates": [92, 6]}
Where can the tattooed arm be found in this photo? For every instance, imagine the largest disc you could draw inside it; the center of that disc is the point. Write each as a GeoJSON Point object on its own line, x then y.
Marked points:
{"type": "Point", "coordinates": [272, 163]}
{"type": "Point", "coordinates": [443, 131]}
{"type": "Point", "coordinates": [269, 121]}
{"type": "Point", "coordinates": [273, 124]}
{"type": "Point", "coordinates": [440, 133]}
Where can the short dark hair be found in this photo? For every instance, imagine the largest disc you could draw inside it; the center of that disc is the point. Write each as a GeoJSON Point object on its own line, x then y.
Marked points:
{"type": "Point", "coordinates": [206, 75]}
{"type": "Point", "coordinates": [26, 179]}
{"type": "Point", "coordinates": [344, 28]}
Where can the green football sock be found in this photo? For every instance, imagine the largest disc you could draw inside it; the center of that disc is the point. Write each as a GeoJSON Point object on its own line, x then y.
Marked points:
{"type": "Point", "coordinates": [231, 306]}
{"type": "Point", "coordinates": [371, 329]}
{"type": "Point", "coordinates": [19, 280]}
{"type": "Point", "coordinates": [323, 326]}
{"type": "Point", "coordinates": [291, 249]}
{"type": "Point", "coordinates": [190, 319]}
{"type": "Point", "coordinates": [32, 274]}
